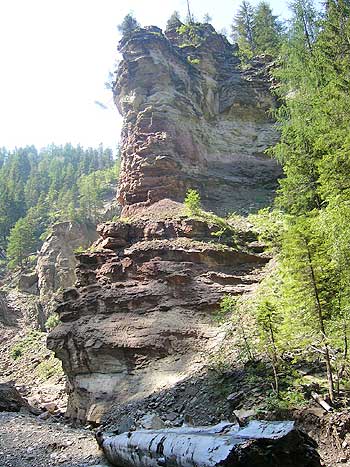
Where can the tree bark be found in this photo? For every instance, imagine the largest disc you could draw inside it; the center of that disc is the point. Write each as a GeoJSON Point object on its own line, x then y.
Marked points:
{"type": "Point", "coordinates": [322, 328]}
{"type": "Point", "coordinates": [261, 443]}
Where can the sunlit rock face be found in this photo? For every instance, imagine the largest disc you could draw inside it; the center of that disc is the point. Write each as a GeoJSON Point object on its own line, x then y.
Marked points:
{"type": "Point", "coordinates": [193, 119]}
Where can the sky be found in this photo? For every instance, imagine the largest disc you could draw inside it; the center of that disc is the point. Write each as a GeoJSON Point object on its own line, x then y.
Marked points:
{"type": "Point", "coordinates": [55, 57]}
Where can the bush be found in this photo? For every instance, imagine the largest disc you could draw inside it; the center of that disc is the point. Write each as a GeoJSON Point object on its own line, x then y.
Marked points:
{"type": "Point", "coordinates": [24, 344]}
{"type": "Point", "coordinates": [52, 321]}
{"type": "Point", "coordinates": [193, 202]}
{"type": "Point", "coordinates": [51, 367]}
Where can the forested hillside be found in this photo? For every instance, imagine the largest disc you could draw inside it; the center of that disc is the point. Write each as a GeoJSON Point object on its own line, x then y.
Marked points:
{"type": "Point", "coordinates": [41, 187]}
{"type": "Point", "coordinates": [303, 311]}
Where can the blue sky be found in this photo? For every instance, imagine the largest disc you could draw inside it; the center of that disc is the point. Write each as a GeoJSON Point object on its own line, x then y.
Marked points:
{"type": "Point", "coordinates": [55, 57]}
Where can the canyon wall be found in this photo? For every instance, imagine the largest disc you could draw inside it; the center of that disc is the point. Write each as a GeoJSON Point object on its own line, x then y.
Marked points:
{"type": "Point", "coordinates": [56, 260]}
{"type": "Point", "coordinates": [142, 314]}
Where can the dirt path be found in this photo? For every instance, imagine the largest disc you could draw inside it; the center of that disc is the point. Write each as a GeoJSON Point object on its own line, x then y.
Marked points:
{"type": "Point", "coordinates": [26, 441]}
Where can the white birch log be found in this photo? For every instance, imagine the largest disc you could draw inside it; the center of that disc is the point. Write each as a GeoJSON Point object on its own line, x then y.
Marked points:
{"type": "Point", "coordinates": [205, 446]}
{"type": "Point", "coordinates": [321, 401]}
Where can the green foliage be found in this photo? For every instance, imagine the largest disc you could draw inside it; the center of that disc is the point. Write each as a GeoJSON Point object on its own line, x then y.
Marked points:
{"type": "Point", "coordinates": [267, 30]}
{"type": "Point", "coordinates": [238, 312]}
{"type": "Point", "coordinates": [256, 30]}
{"type": "Point", "coordinates": [286, 400]}
{"type": "Point", "coordinates": [226, 229]}
{"type": "Point", "coordinates": [242, 29]}
{"type": "Point", "coordinates": [21, 242]}
{"type": "Point", "coordinates": [52, 321]}
{"type": "Point", "coordinates": [49, 368]}
{"type": "Point", "coordinates": [128, 25]}
{"type": "Point", "coordinates": [192, 202]}
{"type": "Point", "coordinates": [79, 250]}
{"type": "Point", "coordinates": [270, 225]}
{"type": "Point", "coordinates": [191, 34]}
{"type": "Point", "coordinates": [59, 183]}
{"type": "Point", "coordinates": [193, 61]}
{"type": "Point", "coordinates": [25, 344]}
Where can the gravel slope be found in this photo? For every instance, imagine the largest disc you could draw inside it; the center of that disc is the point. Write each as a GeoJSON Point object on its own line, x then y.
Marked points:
{"type": "Point", "coordinates": [26, 441]}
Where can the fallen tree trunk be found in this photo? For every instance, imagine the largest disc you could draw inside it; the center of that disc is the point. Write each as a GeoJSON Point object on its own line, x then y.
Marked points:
{"type": "Point", "coordinates": [321, 401]}
{"type": "Point", "coordinates": [260, 444]}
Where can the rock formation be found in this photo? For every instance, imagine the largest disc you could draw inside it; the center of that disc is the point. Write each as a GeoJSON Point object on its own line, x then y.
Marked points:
{"type": "Point", "coordinates": [141, 315]}
{"type": "Point", "coordinates": [10, 399]}
{"type": "Point", "coordinates": [4, 310]}
{"type": "Point", "coordinates": [193, 119]}
{"type": "Point", "coordinates": [56, 260]}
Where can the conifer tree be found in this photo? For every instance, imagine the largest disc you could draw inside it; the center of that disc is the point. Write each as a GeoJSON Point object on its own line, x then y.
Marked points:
{"type": "Point", "coordinates": [309, 285]}
{"type": "Point", "coordinates": [128, 25]}
{"type": "Point", "coordinates": [243, 29]}
{"type": "Point", "coordinates": [21, 242]}
{"type": "Point", "coordinates": [266, 29]}
{"type": "Point", "coordinates": [174, 21]}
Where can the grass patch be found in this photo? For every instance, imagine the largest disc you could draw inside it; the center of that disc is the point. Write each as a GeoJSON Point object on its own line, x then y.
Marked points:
{"type": "Point", "coordinates": [48, 368]}
{"type": "Point", "coordinates": [25, 344]}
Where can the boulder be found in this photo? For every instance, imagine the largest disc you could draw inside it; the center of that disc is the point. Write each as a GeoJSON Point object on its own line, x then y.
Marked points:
{"type": "Point", "coordinates": [10, 399]}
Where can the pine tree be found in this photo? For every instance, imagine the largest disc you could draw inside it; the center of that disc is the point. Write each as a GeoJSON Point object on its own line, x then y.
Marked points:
{"type": "Point", "coordinates": [243, 29]}
{"type": "Point", "coordinates": [128, 25]}
{"type": "Point", "coordinates": [21, 242]}
{"type": "Point", "coordinates": [266, 29]}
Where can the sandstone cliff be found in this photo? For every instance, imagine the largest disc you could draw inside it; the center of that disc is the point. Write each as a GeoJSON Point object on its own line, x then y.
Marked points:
{"type": "Point", "coordinates": [193, 119]}
{"type": "Point", "coordinates": [141, 316]}
{"type": "Point", "coordinates": [56, 260]}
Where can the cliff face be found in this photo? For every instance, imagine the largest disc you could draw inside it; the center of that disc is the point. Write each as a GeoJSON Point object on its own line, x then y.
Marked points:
{"type": "Point", "coordinates": [193, 119]}
{"type": "Point", "coordinates": [140, 318]}
{"type": "Point", "coordinates": [56, 260]}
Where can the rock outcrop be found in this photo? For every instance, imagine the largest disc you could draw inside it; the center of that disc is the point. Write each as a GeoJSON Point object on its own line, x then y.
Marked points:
{"type": "Point", "coordinates": [193, 119]}
{"type": "Point", "coordinates": [141, 316]}
{"type": "Point", "coordinates": [56, 260]}
{"type": "Point", "coordinates": [4, 310]}
{"type": "Point", "coordinates": [10, 399]}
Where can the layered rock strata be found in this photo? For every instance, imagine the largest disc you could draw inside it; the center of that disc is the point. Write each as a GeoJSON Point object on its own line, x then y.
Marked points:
{"type": "Point", "coordinates": [193, 119]}
{"type": "Point", "coordinates": [141, 316]}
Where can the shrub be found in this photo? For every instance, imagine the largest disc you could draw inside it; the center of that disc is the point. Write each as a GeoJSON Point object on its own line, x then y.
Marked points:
{"type": "Point", "coordinates": [51, 367]}
{"type": "Point", "coordinates": [52, 321]}
{"type": "Point", "coordinates": [193, 202]}
{"type": "Point", "coordinates": [24, 344]}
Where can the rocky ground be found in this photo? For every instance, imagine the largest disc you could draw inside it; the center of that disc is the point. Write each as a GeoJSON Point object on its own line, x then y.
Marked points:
{"type": "Point", "coordinates": [27, 441]}
{"type": "Point", "coordinates": [25, 359]}
{"type": "Point", "coordinates": [217, 387]}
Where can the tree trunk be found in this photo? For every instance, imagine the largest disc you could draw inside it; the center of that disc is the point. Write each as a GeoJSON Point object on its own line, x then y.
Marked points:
{"type": "Point", "coordinates": [261, 443]}
{"type": "Point", "coordinates": [322, 328]}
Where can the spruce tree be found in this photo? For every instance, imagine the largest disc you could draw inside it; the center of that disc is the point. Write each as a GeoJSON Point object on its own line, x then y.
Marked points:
{"type": "Point", "coordinates": [266, 29]}
{"type": "Point", "coordinates": [243, 29]}
{"type": "Point", "coordinates": [128, 25]}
